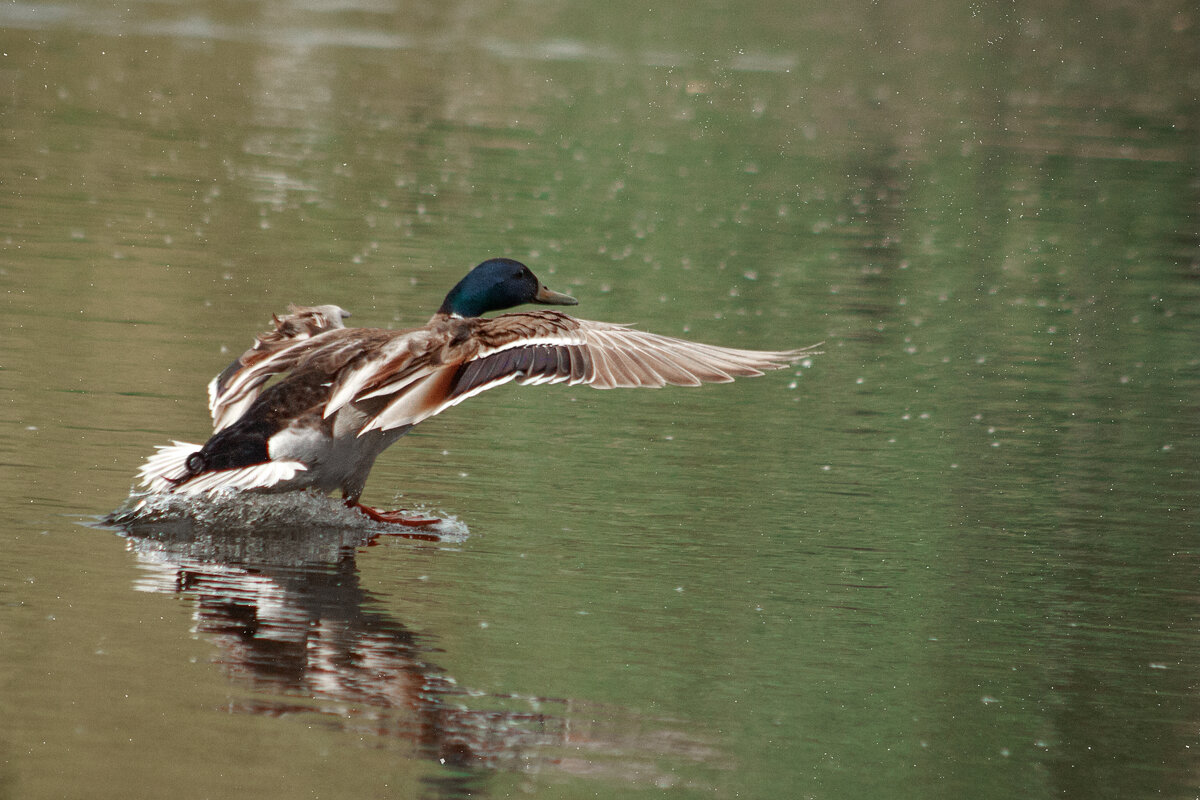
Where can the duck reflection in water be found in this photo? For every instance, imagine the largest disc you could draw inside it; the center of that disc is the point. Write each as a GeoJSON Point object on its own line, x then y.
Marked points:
{"type": "Point", "coordinates": [289, 618]}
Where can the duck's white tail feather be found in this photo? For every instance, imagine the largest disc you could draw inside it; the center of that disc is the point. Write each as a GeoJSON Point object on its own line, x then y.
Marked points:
{"type": "Point", "coordinates": [167, 466]}
{"type": "Point", "coordinates": [166, 471]}
{"type": "Point", "coordinates": [255, 476]}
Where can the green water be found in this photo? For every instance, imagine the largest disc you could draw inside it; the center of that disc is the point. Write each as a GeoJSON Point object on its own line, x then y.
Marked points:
{"type": "Point", "coordinates": [955, 556]}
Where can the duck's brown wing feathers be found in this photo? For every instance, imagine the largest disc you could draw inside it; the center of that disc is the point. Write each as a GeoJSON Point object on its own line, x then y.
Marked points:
{"type": "Point", "coordinates": [399, 378]}
{"type": "Point", "coordinates": [239, 384]}
{"type": "Point", "coordinates": [543, 347]}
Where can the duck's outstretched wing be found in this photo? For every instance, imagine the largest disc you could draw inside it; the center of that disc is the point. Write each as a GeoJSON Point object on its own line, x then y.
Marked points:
{"type": "Point", "coordinates": [539, 347]}
{"type": "Point", "coordinates": [273, 352]}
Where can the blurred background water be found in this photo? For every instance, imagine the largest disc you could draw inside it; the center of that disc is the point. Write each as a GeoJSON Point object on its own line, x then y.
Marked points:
{"type": "Point", "coordinates": [955, 556]}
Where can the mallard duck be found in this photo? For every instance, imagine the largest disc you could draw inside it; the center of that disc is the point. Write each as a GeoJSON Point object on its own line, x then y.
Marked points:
{"type": "Point", "coordinates": [348, 393]}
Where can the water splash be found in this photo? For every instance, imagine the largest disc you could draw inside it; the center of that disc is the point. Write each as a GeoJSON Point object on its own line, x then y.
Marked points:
{"type": "Point", "coordinates": [263, 513]}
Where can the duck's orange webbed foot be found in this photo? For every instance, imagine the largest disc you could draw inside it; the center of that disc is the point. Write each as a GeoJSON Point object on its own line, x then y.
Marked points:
{"type": "Point", "coordinates": [396, 518]}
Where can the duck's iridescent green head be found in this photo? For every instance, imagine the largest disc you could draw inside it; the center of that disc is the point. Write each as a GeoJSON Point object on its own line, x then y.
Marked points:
{"type": "Point", "coordinates": [496, 284]}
